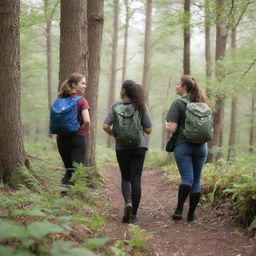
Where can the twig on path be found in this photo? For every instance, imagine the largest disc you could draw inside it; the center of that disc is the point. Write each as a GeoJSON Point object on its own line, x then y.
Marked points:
{"type": "Point", "coordinates": [161, 206]}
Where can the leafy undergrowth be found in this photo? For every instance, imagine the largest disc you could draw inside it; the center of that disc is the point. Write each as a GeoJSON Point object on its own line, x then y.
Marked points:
{"type": "Point", "coordinates": [43, 222]}
{"type": "Point", "coordinates": [233, 185]}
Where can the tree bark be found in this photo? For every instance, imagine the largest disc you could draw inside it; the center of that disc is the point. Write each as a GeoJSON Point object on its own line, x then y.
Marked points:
{"type": "Point", "coordinates": [73, 38]}
{"type": "Point", "coordinates": [112, 88]}
{"type": "Point", "coordinates": [186, 31]}
{"type": "Point", "coordinates": [208, 48]}
{"type": "Point", "coordinates": [218, 115]}
{"type": "Point", "coordinates": [147, 51]}
{"type": "Point", "coordinates": [48, 51]}
{"type": "Point", "coordinates": [125, 40]}
{"type": "Point", "coordinates": [251, 135]}
{"type": "Point", "coordinates": [95, 28]}
{"type": "Point", "coordinates": [233, 123]}
{"type": "Point", "coordinates": [13, 159]}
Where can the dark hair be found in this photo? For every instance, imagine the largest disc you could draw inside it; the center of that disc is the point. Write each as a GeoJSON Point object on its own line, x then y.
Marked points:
{"type": "Point", "coordinates": [136, 94]}
{"type": "Point", "coordinates": [67, 85]}
{"type": "Point", "coordinates": [196, 94]}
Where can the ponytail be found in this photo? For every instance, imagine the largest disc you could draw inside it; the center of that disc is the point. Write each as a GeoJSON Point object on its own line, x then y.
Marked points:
{"type": "Point", "coordinates": [65, 90]}
{"type": "Point", "coordinates": [195, 92]}
{"type": "Point", "coordinates": [67, 86]}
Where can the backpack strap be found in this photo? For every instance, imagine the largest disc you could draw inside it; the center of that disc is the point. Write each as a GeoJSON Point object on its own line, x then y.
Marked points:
{"type": "Point", "coordinates": [186, 101]}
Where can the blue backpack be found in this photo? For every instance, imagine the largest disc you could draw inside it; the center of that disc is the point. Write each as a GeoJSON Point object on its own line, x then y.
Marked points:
{"type": "Point", "coordinates": [63, 116]}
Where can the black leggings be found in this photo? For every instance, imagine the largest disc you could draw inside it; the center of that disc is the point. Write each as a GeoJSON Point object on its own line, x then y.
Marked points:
{"type": "Point", "coordinates": [131, 165]}
{"type": "Point", "coordinates": [71, 149]}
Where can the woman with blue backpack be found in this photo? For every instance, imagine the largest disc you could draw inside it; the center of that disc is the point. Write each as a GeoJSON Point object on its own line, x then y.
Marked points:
{"type": "Point", "coordinates": [127, 120]}
{"type": "Point", "coordinates": [189, 120]}
{"type": "Point", "coordinates": [70, 120]}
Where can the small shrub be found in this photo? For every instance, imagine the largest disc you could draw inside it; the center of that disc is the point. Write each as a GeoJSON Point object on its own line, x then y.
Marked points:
{"type": "Point", "coordinates": [139, 237]}
{"type": "Point", "coordinates": [117, 249]}
{"type": "Point", "coordinates": [234, 181]}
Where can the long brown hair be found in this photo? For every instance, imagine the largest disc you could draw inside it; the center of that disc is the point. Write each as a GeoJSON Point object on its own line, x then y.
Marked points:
{"type": "Point", "coordinates": [195, 92]}
{"type": "Point", "coordinates": [68, 85]}
{"type": "Point", "coordinates": [135, 92]}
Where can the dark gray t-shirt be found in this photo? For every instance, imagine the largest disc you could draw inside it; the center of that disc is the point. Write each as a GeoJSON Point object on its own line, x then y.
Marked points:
{"type": "Point", "coordinates": [176, 114]}
{"type": "Point", "coordinates": [146, 122]}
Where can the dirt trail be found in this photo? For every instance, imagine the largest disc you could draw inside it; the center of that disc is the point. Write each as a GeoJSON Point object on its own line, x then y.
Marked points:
{"type": "Point", "coordinates": [207, 237]}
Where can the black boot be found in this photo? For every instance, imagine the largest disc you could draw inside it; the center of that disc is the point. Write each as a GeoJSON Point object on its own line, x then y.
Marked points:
{"type": "Point", "coordinates": [193, 202]}
{"type": "Point", "coordinates": [127, 212]}
{"type": "Point", "coordinates": [184, 191]}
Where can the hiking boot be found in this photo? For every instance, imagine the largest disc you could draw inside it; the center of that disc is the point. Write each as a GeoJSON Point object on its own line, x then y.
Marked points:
{"type": "Point", "coordinates": [127, 213]}
{"type": "Point", "coordinates": [192, 219]}
{"type": "Point", "coordinates": [134, 219]}
{"type": "Point", "coordinates": [193, 202]}
{"type": "Point", "coordinates": [183, 193]}
{"type": "Point", "coordinates": [177, 215]}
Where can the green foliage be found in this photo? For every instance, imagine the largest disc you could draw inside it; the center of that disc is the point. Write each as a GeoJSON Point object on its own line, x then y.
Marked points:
{"type": "Point", "coordinates": [31, 212]}
{"type": "Point", "coordinates": [45, 214]}
{"type": "Point", "coordinates": [41, 229]}
{"type": "Point", "coordinates": [117, 249]}
{"type": "Point", "coordinates": [96, 242]}
{"type": "Point", "coordinates": [20, 198]}
{"type": "Point", "coordinates": [233, 181]}
{"type": "Point", "coordinates": [12, 230]}
{"type": "Point", "coordinates": [31, 237]}
{"type": "Point", "coordinates": [253, 225]}
{"type": "Point", "coordinates": [8, 251]}
{"type": "Point", "coordinates": [61, 248]}
{"type": "Point", "coordinates": [156, 157]}
{"type": "Point", "coordinates": [97, 222]}
{"type": "Point", "coordinates": [139, 237]}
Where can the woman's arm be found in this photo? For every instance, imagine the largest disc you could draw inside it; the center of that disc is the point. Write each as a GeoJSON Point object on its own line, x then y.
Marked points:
{"type": "Point", "coordinates": [86, 118]}
{"type": "Point", "coordinates": [107, 129]}
{"type": "Point", "coordinates": [171, 127]}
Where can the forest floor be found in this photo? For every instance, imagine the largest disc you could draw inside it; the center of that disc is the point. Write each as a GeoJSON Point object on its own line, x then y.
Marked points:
{"type": "Point", "coordinates": [211, 235]}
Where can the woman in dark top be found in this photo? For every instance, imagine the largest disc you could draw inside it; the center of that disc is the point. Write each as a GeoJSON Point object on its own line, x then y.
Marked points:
{"type": "Point", "coordinates": [131, 158]}
{"type": "Point", "coordinates": [72, 147]}
{"type": "Point", "coordinates": [190, 158]}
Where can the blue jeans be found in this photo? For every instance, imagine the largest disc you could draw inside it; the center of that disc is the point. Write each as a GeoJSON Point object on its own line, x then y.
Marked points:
{"type": "Point", "coordinates": [190, 159]}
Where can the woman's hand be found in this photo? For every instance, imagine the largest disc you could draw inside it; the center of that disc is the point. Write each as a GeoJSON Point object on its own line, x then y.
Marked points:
{"type": "Point", "coordinates": [107, 129]}
{"type": "Point", "coordinates": [170, 127]}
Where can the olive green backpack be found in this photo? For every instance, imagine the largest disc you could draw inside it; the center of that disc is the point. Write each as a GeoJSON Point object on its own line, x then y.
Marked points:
{"type": "Point", "coordinates": [127, 128]}
{"type": "Point", "coordinates": [198, 122]}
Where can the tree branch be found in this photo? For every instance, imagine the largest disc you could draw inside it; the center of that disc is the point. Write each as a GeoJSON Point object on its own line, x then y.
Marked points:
{"type": "Point", "coordinates": [250, 67]}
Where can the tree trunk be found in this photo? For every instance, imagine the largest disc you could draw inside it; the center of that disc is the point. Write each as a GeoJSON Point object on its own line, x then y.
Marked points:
{"type": "Point", "coordinates": [147, 51]}
{"type": "Point", "coordinates": [112, 88]}
{"type": "Point", "coordinates": [233, 130]}
{"type": "Point", "coordinates": [73, 38]}
{"type": "Point", "coordinates": [125, 40]}
{"type": "Point", "coordinates": [95, 28]}
{"type": "Point", "coordinates": [48, 51]}
{"type": "Point", "coordinates": [251, 136]}
{"type": "Point", "coordinates": [233, 123]}
{"type": "Point", "coordinates": [208, 48]}
{"type": "Point", "coordinates": [186, 31]}
{"type": "Point", "coordinates": [218, 115]}
{"type": "Point", "coordinates": [13, 158]}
